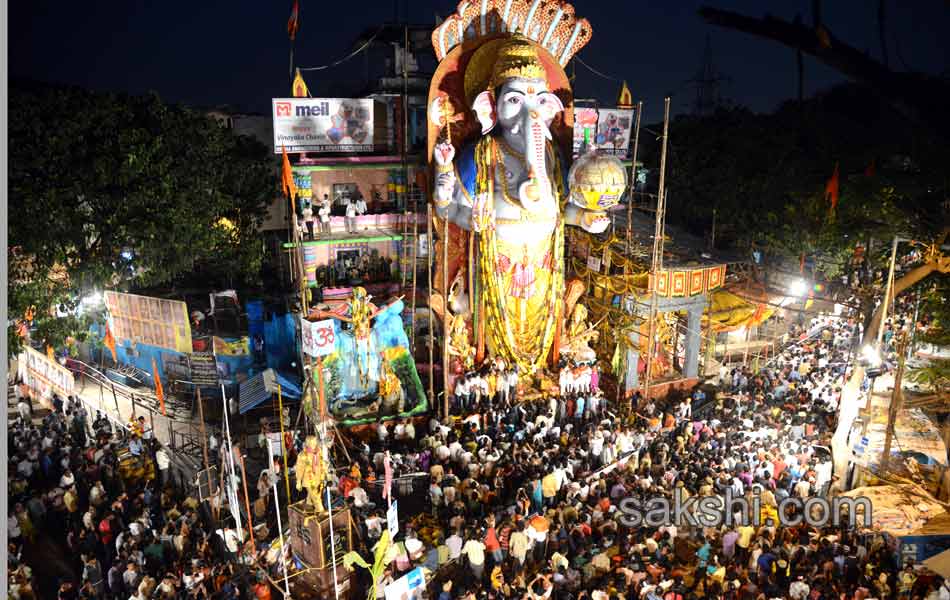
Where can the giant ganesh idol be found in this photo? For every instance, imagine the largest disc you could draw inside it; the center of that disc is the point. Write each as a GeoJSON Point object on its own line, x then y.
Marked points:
{"type": "Point", "coordinates": [501, 116]}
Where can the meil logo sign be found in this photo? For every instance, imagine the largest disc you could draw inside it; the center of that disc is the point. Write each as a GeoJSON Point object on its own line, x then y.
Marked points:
{"type": "Point", "coordinates": [317, 110]}
{"type": "Point", "coordinates": [282, 109]}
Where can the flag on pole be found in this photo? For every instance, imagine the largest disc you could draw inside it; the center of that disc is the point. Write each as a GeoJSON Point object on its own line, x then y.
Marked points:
{"type": "Point", "coordinates": [109, 342]}
{"type": "Point", "coordinates": [299, 88]}
{"type": "Point", "coordinates": [287, 180]}
{"type": "Point", "coordinates": [831, 190]}
{"type": "Point", "coordinates": [293, 23]}
{"type": "Point", "coordinates": [159, 392]}
{"type": "Point", "coordinates": [388, 483]}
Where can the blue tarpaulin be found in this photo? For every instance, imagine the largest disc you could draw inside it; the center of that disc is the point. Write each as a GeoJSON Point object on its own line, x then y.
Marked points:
{"type": "Point", "coordinates": [258, 389]}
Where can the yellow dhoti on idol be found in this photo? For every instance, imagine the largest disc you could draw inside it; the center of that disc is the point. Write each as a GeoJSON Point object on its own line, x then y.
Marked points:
{"type": "Point", "coordinates": [520, 282]}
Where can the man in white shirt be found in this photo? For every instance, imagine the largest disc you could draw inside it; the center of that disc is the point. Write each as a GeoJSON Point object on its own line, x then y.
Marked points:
{"type": "Point", "coordinates": [798, 590]}
{"type": "Point", "coordinates": [454, 544]}
{"type": "Point", "coordinates": [25, 410]}
{"type": "Point", "coordinates": [475, 550]}
{"type": "Point", "coordinates": [323, 212]}
{"type": "Point", "coordinates": [802, 489]}
{"type": "Point", "coordinates": [25, 468]}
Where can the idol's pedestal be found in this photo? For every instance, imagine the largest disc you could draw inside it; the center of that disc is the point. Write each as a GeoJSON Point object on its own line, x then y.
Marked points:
{"type": "Point", "coordinates": [311, 544]}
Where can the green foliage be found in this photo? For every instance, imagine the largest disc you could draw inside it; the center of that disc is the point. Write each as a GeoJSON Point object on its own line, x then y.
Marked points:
{"type": "Point", "coordinates": [935, 305]}
{"type": "Point", "coordinates": [765, 176]}
{"type": "Point", "coordinates": [117, 192]}
{"type": "Point", "coordinates": [935, 376]}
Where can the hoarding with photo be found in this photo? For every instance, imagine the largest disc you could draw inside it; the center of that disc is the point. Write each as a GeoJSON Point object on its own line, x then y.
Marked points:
{"type": "Point", "coordinates": [323, 125]}
{"type": "Point", "coordinates": [151, 321]}
{"type": "Point", "coordinates": [607, 129]}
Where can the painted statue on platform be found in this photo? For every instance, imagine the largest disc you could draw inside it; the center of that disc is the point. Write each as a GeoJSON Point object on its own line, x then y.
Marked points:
{"type": "Point", "coordinates": [311, 472]}
{"type": "Point", "coordinates": [370, 373]}
{"type": "Point", "coordinates": [503, 184]}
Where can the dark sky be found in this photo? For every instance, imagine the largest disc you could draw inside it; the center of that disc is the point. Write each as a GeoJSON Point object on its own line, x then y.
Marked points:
{"type": "Point", "coordinates": [236, 52]}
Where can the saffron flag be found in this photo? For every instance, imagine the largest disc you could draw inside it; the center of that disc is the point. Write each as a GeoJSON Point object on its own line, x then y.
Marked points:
{"type": "Point", "coordinates": [159, 392]}
{"type": "Point", "coordinates": [109, 342]}
{"type": "Point", "coordinates": [50, 354]}
{"type": "Point", "coordinates": [831, 189]}
{"type": "Point", "coordinates": [293, 23]}
{"type": "Point", "coordinates": [299, 88]}
{"type": "Point", "coordinates": [287, 180]}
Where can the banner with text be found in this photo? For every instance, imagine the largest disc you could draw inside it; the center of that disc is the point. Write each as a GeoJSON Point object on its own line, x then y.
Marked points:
{"type": "Point", "coordinates": [204, 369]}
{"type": "Point", "coordinates": [323, 124]}
{"type": "Point", "coordinates": [44, 377]}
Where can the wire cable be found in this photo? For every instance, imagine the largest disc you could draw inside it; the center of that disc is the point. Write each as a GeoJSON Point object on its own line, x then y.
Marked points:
{"type": "Point", "coordinates": [596, 72]}
{"type": "Point", "coordinates": [347, 57]}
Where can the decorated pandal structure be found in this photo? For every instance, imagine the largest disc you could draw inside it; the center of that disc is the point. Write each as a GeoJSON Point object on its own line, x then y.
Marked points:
{"type": "Point", "coordinates": [514, 281]}
{"type": "Point", "coordinates": [519, 231]}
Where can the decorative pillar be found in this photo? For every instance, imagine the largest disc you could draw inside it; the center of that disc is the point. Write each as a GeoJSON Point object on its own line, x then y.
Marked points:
{"type": "Point", "coordinates": [693, 341]}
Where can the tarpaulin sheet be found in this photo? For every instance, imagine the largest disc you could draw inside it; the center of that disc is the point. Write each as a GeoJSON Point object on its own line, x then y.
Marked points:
{"type": "Point", "coordinates": [730, 312]}
{"type": "Point", "coordinates": [280, 341]}
{"type": "Point", "coordinates": [261, 387]}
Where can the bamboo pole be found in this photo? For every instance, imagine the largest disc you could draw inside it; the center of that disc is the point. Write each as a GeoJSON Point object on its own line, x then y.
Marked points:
{"type": "Point", "coordinates": [415, 258]}
{"type": "Point", "coordinates": [227, 432]}
{"type": "Point", "coordinates": [283, 445]}
{"type": "Point", "coordinates": [247, 503]}
{"type": "Point", "coordinates": [430, 248]}
{"type": "Point", "coordinates": [445, 315]}
{"type": "Point", "coordinates": [280, 531]}
{"type": "Point", "coordinates": [657, 265]}
{"type": "Point", "coordinates": [204, 441]}
{"type": "Point", "coordinates": [633, 177]}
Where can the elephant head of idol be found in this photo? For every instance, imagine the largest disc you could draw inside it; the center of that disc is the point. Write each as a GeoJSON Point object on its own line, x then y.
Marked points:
{"type": "Point", "coordinates": [520, 107]}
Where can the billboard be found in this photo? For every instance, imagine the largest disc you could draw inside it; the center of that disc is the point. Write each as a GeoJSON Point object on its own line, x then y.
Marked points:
{"type": "Point", "coordinates": [151, 321]}
{"type": "Point", "coordinates": [44, 377]}
{"type": "Point", "coordinates": [323, 125]}
{"type": "Point", "coordinates": [608, 129]}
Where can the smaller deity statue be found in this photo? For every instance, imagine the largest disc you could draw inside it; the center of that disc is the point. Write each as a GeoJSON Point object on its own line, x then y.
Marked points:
{"type": "Point", "coordinates": [578, 335]}
{"type": "Point", "coordinates": [390, 389]}
{"type": "Point", "coordinates": [459, 346]}
{"type": "Point", "coordinates": [312, 473]}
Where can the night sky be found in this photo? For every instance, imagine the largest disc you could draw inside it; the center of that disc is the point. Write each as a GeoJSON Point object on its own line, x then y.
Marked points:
{"type": "Point", "coordinates": [215, 52]}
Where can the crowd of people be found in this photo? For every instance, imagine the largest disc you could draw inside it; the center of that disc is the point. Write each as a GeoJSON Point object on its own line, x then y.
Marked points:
{"type": "Point", "coordinates": [80, 527]}
{"type": "Point", "coordinates": [522, 499]}
{"type": "Point", "coordinates": [526, 500]}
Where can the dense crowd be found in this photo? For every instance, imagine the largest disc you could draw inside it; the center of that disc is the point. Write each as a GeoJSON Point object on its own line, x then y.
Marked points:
{"type": "Point", "coordinates": [526, 500]}
{"type": "Point", "coordinates": [80, 527]}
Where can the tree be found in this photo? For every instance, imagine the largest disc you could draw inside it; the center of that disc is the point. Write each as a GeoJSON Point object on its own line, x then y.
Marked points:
{"type": "Point", "coordinates": [765, 175]}
{"type": "Point", "coordinates": [111, 191]}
